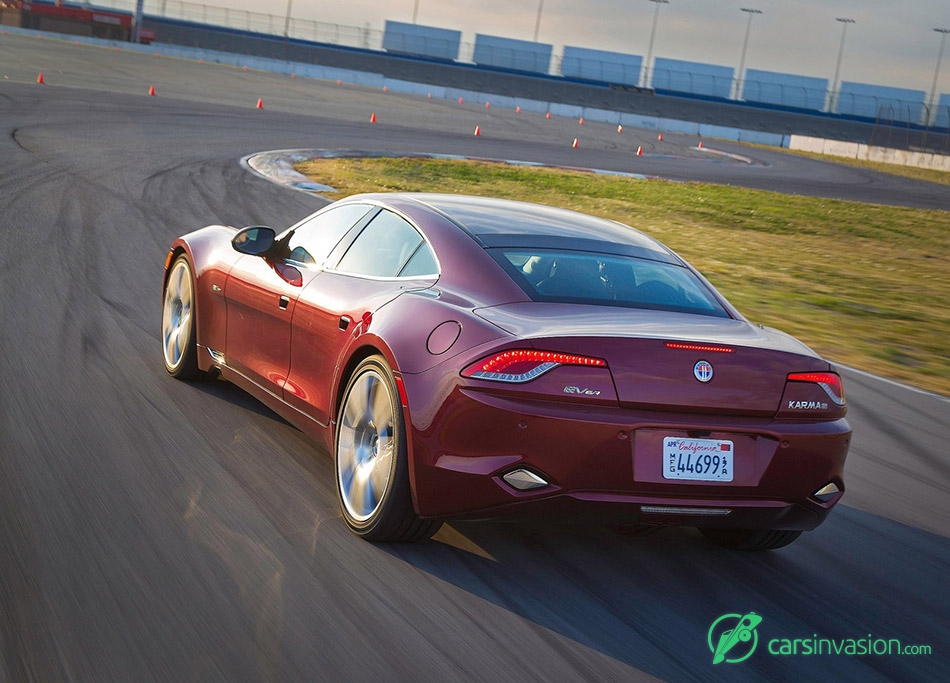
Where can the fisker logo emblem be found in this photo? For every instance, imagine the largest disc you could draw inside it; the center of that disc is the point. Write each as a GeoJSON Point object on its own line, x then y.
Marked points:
{"type": "Point", "coordinates": [703, 371]}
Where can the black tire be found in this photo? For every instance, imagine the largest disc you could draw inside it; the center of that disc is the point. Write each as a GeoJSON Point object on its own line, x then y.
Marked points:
{"type": "Point", "coordinates": [370, 457]}
{"type": "Point", "coordinates": [750, 539]}
{"type": "Point", "coordinates": [179, 347]}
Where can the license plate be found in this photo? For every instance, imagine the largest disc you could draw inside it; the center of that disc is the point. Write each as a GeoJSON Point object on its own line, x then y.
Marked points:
{"type": "Point", "coordinates": [697, 459]}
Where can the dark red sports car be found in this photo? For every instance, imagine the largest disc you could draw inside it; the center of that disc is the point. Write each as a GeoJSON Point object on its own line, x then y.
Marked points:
{"type": "Point", "coordinates": [464, 357]}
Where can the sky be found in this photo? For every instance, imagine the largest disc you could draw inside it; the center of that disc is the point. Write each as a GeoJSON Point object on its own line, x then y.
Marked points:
{"type": "Point", "coordinates": [891, 43]}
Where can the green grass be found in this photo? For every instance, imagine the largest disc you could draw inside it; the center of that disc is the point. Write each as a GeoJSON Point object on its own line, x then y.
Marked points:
{"type": "Point", "coordinates": [864, 285]}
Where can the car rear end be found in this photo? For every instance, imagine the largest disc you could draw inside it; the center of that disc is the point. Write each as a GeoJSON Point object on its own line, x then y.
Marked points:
{"type": "Point", "coordinates": [643, 400]}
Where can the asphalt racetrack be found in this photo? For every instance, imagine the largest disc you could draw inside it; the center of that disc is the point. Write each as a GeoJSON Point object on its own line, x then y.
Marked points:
{"type": "Point", "coordinates": [157, 530]}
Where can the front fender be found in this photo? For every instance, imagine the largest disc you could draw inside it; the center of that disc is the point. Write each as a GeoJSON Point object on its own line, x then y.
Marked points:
{"type": "Point", "coordinates": [211, 257]}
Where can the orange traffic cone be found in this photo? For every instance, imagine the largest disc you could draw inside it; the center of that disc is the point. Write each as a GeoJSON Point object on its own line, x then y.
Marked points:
{"type": "Point", "coordinates": [547, 115]}
{"type": "Point", "coordinates": [700, 144]}
{"type": "Point", "coordinates": [372, 119]}
{"type": "Point", "coordinates": [260, 102]}
{"type": "Point", "coordinates": [245, 67]}
{"type": "Point", "coordinates": [430, 96]}
{"type": "Point", "coordinates": [151, 91]}
{"type": "Point", "coordinates": [385, 88]}
{"type": "Point", "coordinates": [517, 110]}
{"type": "Point", "coordinates": [339, 82]}
{"type": "Point", "coordinates": [575, 145]}
{"type": "Point", "coordinates": [40, 79]}
{"type": "Point", "coordinates": [639, 151]}
{"type": "Point", "coordinates": [200, 61]}
{"type": "Point", "coordinates": [619, 127]}
{"type": "Point", "coordinates": [478, 130]}
{"type": "Point", "coordinates": [581, 121]}
{"type": "Point", "coordinates": [293, 75]}
{"type": "Point", "coordinates": [461, 101]}
{"type": "Point", "coordinates": [660, 137]}
{"type": "Point", "coordinates": [488, 105]}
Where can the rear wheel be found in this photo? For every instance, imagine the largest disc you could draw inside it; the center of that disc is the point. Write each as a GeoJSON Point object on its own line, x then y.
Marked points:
{"type": "Point", "coordinates": [371, 459]}
{"type": "Point", "coordinates": [750, 539]}
{"type": "Point", "coordinates": [179, 349]}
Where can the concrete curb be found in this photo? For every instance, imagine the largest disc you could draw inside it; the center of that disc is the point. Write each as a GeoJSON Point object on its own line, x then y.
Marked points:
{"type": "Point", "coordinates": [277, 165]}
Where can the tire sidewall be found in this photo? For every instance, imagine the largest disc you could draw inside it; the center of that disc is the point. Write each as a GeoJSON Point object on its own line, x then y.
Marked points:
{"type": "Point", "coordinates": [382, 521]}
{"type": "Point", "coordinates": [187, 366]}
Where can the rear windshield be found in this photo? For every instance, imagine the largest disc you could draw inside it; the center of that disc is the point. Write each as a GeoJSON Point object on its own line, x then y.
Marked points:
{"type": "Point", "coordinates": [607, 280]}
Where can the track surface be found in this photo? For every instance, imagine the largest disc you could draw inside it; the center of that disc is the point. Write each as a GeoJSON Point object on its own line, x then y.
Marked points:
{"type": "Point", "coordinates": [156, 530]}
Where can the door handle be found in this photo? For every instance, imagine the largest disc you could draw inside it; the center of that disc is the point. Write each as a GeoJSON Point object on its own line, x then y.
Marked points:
{"type": "Point", "coordinates": [284, 302]}
{"type": "Point", "coordinates": [345, 321]}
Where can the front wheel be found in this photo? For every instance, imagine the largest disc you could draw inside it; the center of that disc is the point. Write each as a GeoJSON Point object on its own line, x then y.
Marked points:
{"type": "Point", "coordinates": [750, 539]}
{"type": "Point", "coordinates": [371, 459]}
{"type": "Point", "coordinates": [179, 348]}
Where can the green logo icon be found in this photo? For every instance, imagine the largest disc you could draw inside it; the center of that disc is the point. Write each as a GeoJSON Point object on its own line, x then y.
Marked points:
{"type": "Point", "coordinates": [733, 633]}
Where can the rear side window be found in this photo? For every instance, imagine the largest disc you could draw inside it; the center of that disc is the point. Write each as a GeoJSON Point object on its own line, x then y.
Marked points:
{"type": "Point", "coordinates": [389, 247]}
{"type": "Point", "coordinates": [607, 280]}
{"type": "Point", "coordinates": [313, 239]}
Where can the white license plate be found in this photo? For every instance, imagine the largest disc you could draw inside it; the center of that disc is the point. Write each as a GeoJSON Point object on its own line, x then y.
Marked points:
{"type": "Point", "coordinates": [697, 459]}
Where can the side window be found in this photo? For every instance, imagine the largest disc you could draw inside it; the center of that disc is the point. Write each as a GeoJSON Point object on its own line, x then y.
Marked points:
{"type": "Point", "coordinates": [313, 240]}
{"type": "Point", "coordinates": [421, 263]}
{"type": "Point", "coordinates": [389, 246]}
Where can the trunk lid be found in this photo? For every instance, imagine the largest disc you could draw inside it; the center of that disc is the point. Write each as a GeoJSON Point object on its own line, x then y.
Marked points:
{"type": "Point", "coordinates": [659, 360]}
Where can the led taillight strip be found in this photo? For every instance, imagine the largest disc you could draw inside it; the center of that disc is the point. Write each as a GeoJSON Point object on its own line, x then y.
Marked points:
{"type": "Point", "coordinates": [493, 367]}
{"type": "Point", "coordinates": [700, 347]}
{"type": "Point", "coordinates": [828, 381]}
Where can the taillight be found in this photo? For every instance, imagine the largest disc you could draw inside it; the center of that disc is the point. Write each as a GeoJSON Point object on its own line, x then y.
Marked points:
{"type": "Point", "coordinates": [829, 381]}
{"type": "Point", "coordinates": [524, 365]}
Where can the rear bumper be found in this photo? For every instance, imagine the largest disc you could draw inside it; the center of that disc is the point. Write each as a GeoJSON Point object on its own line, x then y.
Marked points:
{"type": "Point", "coordinates": [618, 508]}
{"type": "Point", "coordinates": [604, 463]}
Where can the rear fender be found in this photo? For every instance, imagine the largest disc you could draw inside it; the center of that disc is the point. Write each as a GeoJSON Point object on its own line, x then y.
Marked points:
{"type": "Point", "coordinates": [407, 332]}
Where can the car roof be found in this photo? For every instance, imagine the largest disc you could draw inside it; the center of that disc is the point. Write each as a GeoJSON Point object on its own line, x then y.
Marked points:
{"type": "Point", "coordinates": [508, 223]}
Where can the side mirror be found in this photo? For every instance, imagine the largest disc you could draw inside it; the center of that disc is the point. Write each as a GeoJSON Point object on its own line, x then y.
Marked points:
{"type": "Point", "coordinates": [256, 240]}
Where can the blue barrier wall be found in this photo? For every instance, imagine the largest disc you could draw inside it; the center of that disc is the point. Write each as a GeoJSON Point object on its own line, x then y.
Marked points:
{"type": "Point", "coordinates": [786, 90]}
{"type": "Point", "coordinates": [412, 39]}
{"type": "Point", "coordinates": [600, 65]}
{"type": "Point", "coordinates": [521, 55]}
{"type": "Point", "coordinates": [880, 102]}
{"type": "Point", "coordinates": [695, 78]}
{"type": "Point", "coordinates": [943, 112]}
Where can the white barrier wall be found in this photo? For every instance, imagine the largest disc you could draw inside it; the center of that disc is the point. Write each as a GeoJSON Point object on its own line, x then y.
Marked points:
{"type": "Point", "coordinates": [853, 150]}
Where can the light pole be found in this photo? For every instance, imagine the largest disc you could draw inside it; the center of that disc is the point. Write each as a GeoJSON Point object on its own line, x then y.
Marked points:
{"type": "Point", "coordinates": [745, 46]}
{"type": "Point", "coordinates": [415, 11]}
{"type": "Point", "coordinates": [290, 6]}
{"type": "Point", "coordinates": [932, 113]}
{"type": "Point", "coordinates": [647, 74]}
{"type": "Point", "coordinates": [833, 96]}
{"type": "Point", "coordinates": [537, 24]}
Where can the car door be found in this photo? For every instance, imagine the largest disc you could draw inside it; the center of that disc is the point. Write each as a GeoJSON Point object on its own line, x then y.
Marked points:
{"type": "Point", "coordinates": [262, 292]}
{"type": "Point", "coordinates": [387, 257]}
